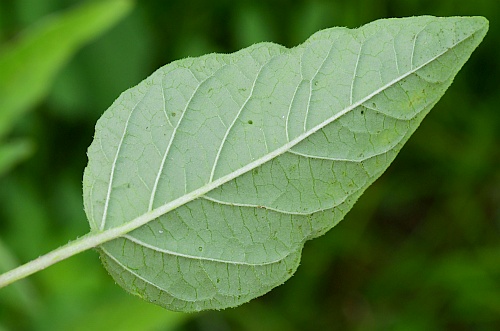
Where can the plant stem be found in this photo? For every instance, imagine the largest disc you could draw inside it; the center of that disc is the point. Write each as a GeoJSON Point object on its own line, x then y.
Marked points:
{"type": "Point", "coordinates": [74, 247]}
{"type": "Point", "coordinates": [84, 243]}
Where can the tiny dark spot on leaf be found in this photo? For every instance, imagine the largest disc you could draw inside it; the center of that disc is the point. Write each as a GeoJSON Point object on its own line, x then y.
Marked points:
{"type": "Point", "coordinates": [250, 122]}
{"type": "Point", "coordinates": [218, 280]}
{"type": "Point", "coordinates": [173, 114]}
{"type": "Point", "coordinates": [374, 105]}
{"type": "Point", "coordinates": [362, 112]}
{"type": "Point", "coordinates": [200, 248]}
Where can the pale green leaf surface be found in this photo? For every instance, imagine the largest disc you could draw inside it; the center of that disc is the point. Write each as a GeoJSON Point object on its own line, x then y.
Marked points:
{"type": "Point", "coordinates": [219, 168]}
{"type": "Point", "coordinates": [28, 65]}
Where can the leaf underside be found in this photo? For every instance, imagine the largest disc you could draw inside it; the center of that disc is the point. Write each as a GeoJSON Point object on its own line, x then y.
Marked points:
{"type": "Point", "coordinates": [222, 166]}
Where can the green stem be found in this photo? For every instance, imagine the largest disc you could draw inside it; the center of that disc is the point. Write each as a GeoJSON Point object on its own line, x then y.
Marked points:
{"type": "Point", "coordinates": [74, 247]}
{"type": "Point", "coordinates": [89, 241]}
{"type": "Point", "coordinates": [92, 240]}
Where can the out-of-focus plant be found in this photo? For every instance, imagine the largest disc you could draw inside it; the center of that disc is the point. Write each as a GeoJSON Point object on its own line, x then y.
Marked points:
{"type": "Point", "coordinates": [30, 62]}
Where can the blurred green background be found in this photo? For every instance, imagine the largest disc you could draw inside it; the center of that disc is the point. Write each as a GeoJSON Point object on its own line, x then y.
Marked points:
{"type": "Point", "coordinates": [419, 251]}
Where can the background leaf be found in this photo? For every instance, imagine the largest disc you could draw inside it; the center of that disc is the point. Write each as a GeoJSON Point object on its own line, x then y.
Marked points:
{"type": "Point", "coordinates": [29, 65]}
{"type": "Point", "coordinates": [12, 153]}
{"type": "Point", "coordinates": [229, 163]}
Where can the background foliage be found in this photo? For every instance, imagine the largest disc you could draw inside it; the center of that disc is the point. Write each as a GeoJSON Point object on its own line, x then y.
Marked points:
{"type": "Point", "coordinates": [419, 251]}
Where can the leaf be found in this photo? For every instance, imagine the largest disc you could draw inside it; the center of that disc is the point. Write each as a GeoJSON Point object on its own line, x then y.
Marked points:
{"type": "Point", "coordinates": [213, 172]}
{"type": "Point", "coordinates": [12, 153]}
{"type": "Point", "coordinates": [28, 66]}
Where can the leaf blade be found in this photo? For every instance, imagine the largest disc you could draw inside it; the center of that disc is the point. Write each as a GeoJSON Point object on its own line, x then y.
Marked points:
{"type": "Point", "coordinates": [228, 166]}
{"type": "Point", "coordinates": [28, 66]}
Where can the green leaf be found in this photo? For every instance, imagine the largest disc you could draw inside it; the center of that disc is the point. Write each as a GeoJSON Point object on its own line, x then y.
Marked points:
{"type": "Point", "coordinates": [28, 66]}
{"type": "Point", "coordinates": [214, 171]}
{"type": "Point", "coordinates": [12, 153]}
